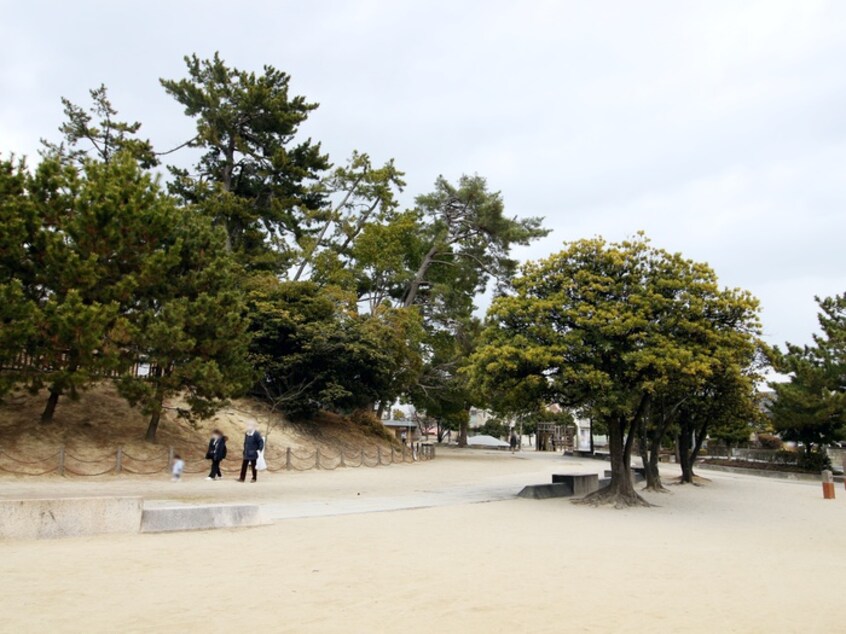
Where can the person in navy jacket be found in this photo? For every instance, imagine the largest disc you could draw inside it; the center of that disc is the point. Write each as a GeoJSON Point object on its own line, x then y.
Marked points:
{"type": "Point", "coordinates": [216, 453]}
{"type": "Point", "coordinates": [253, 443]}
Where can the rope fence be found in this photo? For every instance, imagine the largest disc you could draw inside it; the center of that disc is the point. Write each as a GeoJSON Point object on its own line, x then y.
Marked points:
{"type": "Point", "coordinates": [119, 462]}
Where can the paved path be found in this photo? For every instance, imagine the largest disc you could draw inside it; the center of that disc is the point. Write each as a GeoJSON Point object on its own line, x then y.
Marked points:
{"type": "Point", "coordinates": [414, 500]}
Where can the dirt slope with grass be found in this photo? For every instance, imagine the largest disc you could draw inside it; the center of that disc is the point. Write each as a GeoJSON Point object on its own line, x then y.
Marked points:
{"type": "Point", "coordinates": [101, 421]}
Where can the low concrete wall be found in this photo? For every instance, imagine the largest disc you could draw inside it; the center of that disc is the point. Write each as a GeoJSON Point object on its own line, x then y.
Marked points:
{"type": "Point", "coordinates": [765, 473]}
{"type": "Point", "coordinates": [68, 517]}
{"type": "Point", "coordinates": [189, 518]}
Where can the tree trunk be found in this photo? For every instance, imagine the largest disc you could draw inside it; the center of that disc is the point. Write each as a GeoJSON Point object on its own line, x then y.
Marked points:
{"type": "Point", "coordinates": [414, 287]}
{"type": "Point", "coordinates": [591, 436]}
{"type": "Point", "coordinates": [653, 455]}
{"type": "Point", "coordinates": [359, 226]}
{"type": "Point", "coordinates": [620, 492]}
{"type": "Point", "coordinates": [649, 456]}
{"type": "Point", "coordinates": [462, 434]}
{"type": "Point", "coordinates": [307, 257]}
{"type": "Point", "coordinates": [153, 426]}
{"type": "Point", "coordinates": [684, 454]}
{"type": "Point", "coordinates": [158, 405]}
{"type": "Point", "coordinates": [701, 434]}
{"type": "Point", "coordinates": [52, 401]}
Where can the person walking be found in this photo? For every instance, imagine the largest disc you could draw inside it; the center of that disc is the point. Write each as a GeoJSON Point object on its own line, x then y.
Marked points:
{"type": "Point", "coordinates": [253, 443]}
{"type": "Point", "coordinates": [216, 453]}
{"type": "Point", "coordinates": [512, 442]}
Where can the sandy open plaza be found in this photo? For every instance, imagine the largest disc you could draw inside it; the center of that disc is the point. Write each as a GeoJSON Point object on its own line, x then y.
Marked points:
{"type": "Point", "coordinates": [417, 548]}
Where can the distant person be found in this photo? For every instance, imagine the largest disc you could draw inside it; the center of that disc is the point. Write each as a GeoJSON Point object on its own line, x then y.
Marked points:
{"type": "Point", "coordinates": [216, 453]}
{"type": "Point", "coordinates": [512, 442]}
{"type": "Point", "coordinates": [253, 443]}
{"type": "Point", "coordinates": [177, 468]}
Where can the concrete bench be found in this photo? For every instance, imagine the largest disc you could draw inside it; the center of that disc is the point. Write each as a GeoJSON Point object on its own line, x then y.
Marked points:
{"type": "Point", "coordinates": [195, 518]}
{"type": "Point", "coordinates": [546, 491]}
{"type": "Point", "coordinates": [580, 483]}
{"type": "Point", "coordinates": [69, 517]}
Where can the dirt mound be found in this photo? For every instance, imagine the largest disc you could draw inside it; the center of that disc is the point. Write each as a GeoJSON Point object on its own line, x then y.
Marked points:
{"type": "Point", "coordinates": [100, 421]}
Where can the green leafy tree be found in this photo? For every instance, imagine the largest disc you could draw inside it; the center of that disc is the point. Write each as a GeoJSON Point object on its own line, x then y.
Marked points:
{"type": "Point", "coordinates": [444, 391]}
{"type": "Point", "coordinates": [811, 407]}
{"type": "Point", "coordinates": [465, 242]}
{"type": "Point", "coordinates": [358, 195]}
{"type": "Point", "coordinates": [723, 406]}
{"type": "Point", "coordinates": [314, 351]}
{"type": "Point", "coordinates": [604, 326]}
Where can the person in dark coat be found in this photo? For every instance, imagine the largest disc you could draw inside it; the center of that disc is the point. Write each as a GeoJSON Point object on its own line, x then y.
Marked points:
{"type": "Point", "coordinates": [216, 453]}
{"type": "Point", "coordinates": [253, 443]}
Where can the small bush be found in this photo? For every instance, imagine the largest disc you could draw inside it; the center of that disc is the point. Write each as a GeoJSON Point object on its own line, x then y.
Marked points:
{"type": "Point", "coordinates": [815, 461]}
{"type": "Point", "coordinates": [770, 441]}
{"type": "Point", "coordinates": [785, 456]}
{"type": "Point", "coordinates": [367, 420]}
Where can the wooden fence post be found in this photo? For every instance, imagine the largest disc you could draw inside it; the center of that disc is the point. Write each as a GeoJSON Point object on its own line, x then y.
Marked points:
{"type": "Point", "coordinates": [61, 467]}
{"type": "Point", "coordinates": [378, 455]}
{"type": "Point", "coordinates": [342, 463]}
{"type": "Point", "coordinates": [288, 459]}
{"type": "Point", "coordinates": [403, 452]}
{"type": "Point", "coordinates": [362, 457]}
{"type": "Point", "coordinates": [317, 458]}
{"type": "Point", "coordinates": [118, 460]}
{"type": "Point", "coordinates": [170, 454]}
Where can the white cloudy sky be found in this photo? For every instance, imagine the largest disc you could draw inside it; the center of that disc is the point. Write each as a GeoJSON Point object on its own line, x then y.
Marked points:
{"type": "Point", "coordinates": [719, 128]}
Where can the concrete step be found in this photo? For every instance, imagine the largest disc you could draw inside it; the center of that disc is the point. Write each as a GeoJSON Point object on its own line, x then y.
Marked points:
{"type": "Point", "coordinates": [195, 518]}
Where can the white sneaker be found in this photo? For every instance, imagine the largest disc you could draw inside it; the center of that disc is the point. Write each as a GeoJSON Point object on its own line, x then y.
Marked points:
{"type": "Point", "coordinates": [210, 478]}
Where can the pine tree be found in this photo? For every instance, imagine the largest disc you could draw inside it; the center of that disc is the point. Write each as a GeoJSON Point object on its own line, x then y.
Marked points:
{"type": "Point", "coordinates": [811, 406]}
{"type": "Point", "coordinates": [19, 313]}
{"type": "Point", "coordinates": [188, 324]}
{"type": "Point", "coordinates": [255, 179]}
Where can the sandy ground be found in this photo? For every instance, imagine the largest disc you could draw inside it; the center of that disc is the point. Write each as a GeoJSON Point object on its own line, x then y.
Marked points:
{"type": "Point", "coordinates": [741, 554]}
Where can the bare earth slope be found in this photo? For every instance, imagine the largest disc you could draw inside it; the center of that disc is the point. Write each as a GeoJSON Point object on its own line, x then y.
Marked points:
{"type": "Point", "coordinates": [100, 421]}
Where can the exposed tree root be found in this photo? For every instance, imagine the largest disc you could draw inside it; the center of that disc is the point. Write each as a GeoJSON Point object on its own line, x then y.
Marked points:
{"type": "Point", "coordinates": [607, 496]}
{"type": "Point", "coordinates": [660, 488]}
{"type": "Point", "coordinates": [697, 481]}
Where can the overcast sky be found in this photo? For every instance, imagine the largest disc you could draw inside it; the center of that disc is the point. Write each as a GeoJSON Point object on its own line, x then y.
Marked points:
{"type": "Point", "coordinates": [719, 128]}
